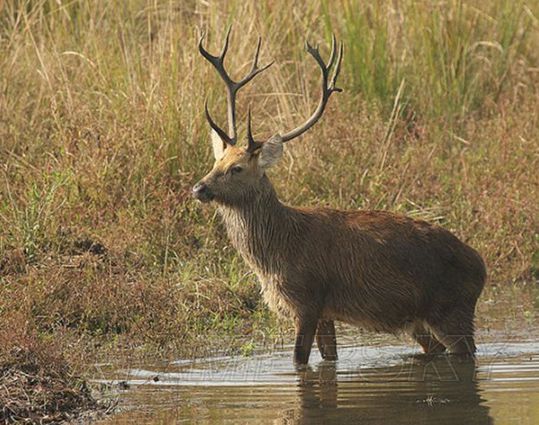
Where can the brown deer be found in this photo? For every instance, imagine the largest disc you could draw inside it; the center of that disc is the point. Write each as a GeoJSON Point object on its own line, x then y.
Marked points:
{"type": "Point", "coordinates": [374, 269]}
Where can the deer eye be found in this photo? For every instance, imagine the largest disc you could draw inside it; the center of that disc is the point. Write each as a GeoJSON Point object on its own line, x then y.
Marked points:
{"type": "Point", "coordinates": [236, 169]}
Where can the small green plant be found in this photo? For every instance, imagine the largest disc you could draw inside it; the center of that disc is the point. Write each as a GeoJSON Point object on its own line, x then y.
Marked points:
{"type": "Point", "coordinates": [247, 349]}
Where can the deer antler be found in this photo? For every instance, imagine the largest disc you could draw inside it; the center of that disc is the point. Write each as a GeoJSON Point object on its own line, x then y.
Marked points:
{"type": "Point", "coordinates": [232, 86]}
{"type": "Point", "coordinates": [327, 90]}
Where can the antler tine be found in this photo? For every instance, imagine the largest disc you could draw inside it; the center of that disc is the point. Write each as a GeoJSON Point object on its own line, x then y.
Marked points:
{"type": "Point", "coordinates": [255, 70]}
{"type": "Point", "coordinates": [337, 70]}
{"type": "Point", "coordinates": [225, 46]}
{"type": "Point", "coordinates": [232, 86]}
{"type": "Point", "coordinates": [253, 145]}
{"type": "Point", "coordinates": [215, 127]}
{"type": "Point", "coordinates": [217, 61]}
{"type": "Point", "coordinates": [327, 90]}
{"type": "Point", "coordinates": [331, 61]}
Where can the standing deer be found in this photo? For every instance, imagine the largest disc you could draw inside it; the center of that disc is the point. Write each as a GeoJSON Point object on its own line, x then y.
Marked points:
{"type": "Point", "coordinates": [374, 269]}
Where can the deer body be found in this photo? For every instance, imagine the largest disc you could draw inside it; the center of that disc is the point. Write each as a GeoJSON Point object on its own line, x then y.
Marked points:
{"type": "Point", "coordinates": [373, 269]}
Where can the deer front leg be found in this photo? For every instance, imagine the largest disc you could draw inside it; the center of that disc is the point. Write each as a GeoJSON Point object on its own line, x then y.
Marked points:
{"type": "Point", "coordinates": [326, 340]}
{"type": "Point", "coordinates": [305, 330]}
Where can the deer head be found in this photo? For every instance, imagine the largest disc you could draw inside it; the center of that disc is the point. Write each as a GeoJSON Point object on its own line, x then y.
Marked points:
{"type": "Point", "coordinates": [237, 171]}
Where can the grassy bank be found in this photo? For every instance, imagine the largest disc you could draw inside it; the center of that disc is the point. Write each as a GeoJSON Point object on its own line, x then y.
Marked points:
{"type": "Point", "coordinates": [38, 385]}
{"type": "Point", "coordinates": [102, 134]}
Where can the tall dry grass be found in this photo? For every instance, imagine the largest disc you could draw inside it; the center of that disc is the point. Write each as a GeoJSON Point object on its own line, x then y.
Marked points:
{"type": "Point", "coordinates": [102, 134]}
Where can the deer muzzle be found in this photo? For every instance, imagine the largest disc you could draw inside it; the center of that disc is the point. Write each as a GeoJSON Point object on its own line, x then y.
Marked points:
{"type": "Point", "coordinates": [202, 192]}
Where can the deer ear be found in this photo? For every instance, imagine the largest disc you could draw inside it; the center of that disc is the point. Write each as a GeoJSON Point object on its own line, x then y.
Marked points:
{"type": "Point", "coordinates": [270, 152]}
{"type": "Point", "coordinates": [218, 145]}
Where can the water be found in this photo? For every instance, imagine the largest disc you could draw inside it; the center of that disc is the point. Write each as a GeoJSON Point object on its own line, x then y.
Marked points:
{"type": "Point", "coordinates": [377, 380]}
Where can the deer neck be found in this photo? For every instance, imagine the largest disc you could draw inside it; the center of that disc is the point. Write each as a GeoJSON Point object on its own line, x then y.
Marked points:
{"type": "Point", "coordinates": [258, 226]}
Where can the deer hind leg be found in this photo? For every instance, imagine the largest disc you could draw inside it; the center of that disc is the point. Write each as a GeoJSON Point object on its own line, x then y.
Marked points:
{"type": "Point", "coordinates": [426, 340]}
{"type": "Point", "coordinates": [456, 332]}
{"type": "Point", "coordinates": [326, 340]}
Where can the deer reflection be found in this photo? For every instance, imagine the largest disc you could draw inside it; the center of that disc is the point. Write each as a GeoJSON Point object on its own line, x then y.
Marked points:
{"type": "Point", "coordinates": [422, 390]}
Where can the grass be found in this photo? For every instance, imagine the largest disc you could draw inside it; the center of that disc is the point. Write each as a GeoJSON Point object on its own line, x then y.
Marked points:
{"type": "Point", "coordinates": [458, 54]}
{"type": "Point", "coordinates": [102, 134]}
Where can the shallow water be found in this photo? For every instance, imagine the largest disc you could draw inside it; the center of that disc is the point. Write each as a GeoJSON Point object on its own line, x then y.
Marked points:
{"type": "Point", "coordinates": [376, 380]}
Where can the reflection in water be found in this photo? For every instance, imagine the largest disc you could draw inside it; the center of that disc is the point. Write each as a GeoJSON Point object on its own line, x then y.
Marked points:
{"type": "Point", "coordinates": [423, 390]}
{"type": "Point", "coordinates": [368, 385]}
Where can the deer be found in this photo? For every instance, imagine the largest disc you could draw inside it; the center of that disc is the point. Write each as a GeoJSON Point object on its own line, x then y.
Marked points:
{"type": "Point", "coordinates": [377, 270]}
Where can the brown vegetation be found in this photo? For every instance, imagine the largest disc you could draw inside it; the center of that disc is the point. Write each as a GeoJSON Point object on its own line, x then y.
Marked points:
{"type": "Point", "coordinates": [102, 135]}
{"type": "Point", "coordinates": [37, 384]}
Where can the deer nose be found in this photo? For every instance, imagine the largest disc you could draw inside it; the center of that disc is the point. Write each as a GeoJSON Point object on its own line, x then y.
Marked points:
{"type": "Point", "coordinates": [199, 188]}
{"type": "Point", "coordinates": [201, 191]}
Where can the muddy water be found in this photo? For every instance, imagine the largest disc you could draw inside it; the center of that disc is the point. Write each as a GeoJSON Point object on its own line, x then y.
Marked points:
{"type": "Point", "coordinates": [377, 380]}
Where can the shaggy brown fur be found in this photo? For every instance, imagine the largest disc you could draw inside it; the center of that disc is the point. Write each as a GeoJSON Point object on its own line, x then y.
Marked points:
{"type": "Point", "coordinates": [372, 269]}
